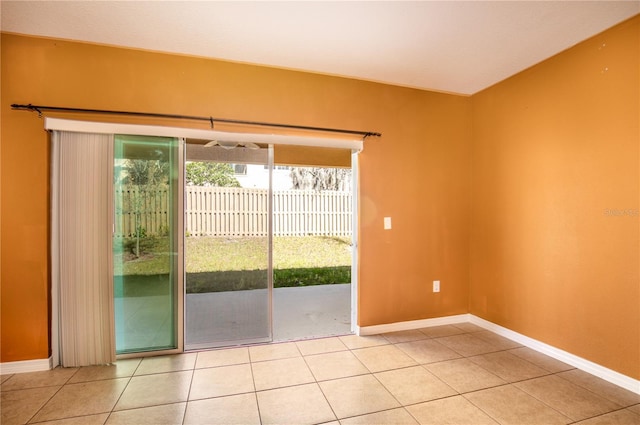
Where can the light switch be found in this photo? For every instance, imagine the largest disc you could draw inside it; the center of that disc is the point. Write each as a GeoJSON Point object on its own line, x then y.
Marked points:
{"type": "Point", "coordinates": [387, 223]}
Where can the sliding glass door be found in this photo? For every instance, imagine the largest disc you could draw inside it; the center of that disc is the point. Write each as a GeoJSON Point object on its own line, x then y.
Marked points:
{"type": "Point", "coordinates": [147, 240]}
{"type": "Point", "coordinates": [227, 247]}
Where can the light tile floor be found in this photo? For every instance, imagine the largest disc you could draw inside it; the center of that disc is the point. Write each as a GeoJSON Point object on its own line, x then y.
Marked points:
{"type": "Point", "coordinates": [440, 375]}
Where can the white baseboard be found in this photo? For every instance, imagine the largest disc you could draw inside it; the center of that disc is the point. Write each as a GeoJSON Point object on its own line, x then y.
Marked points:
{"type": "Point", "coordinates": [412, 324]}
{"type": "Point", "coordinates": [595, 369]}
{"type": "Point", "coordinates": [37, 365]}
{"type": "Point", "coordinates": [588, 366]}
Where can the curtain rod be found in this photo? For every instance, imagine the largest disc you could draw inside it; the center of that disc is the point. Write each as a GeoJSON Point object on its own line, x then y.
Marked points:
{"type": "Point", "coordinates": [40, 108]}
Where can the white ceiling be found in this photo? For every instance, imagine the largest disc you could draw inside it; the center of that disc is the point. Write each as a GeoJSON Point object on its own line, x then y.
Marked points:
{"type": "Point", "coordinates": [451, 46]}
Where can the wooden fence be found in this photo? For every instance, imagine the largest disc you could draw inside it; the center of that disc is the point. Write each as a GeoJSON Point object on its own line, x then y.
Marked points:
{"type": "Point", "coordinates": [141, 208]}
{"type": "Point", "coordinates": [223, 211]}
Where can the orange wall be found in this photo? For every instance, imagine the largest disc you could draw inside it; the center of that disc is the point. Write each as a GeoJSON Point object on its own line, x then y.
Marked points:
{"type": "Point", "coordinates": [502, 196]}
{"type": "Point", "coordinates": [418, 172]}
{"type": "Point", "coordinates": [554, 148]}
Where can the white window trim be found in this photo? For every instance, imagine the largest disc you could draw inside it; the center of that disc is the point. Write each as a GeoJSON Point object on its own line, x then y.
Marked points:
{"type": "Point", "coordinates": [192, 133]}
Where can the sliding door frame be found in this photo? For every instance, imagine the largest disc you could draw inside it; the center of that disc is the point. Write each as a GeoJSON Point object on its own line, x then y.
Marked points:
{"type": "Point", "coordinates": [263, 157]}
{"type": "Point", "coordinates": [180, 272]}
{"type": "Point", "coordinates": [356, 145]}
{"type": "Point", "coordinates": [355, 222]}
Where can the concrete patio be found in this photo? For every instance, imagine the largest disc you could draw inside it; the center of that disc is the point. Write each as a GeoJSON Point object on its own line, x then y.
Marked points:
{"type": "Point", "coordinates": [229, 318]}
{"type": "Point", "coordinates": [298, 313]}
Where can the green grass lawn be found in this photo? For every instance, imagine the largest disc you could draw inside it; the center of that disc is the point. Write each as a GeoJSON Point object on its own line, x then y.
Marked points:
{"type": "Point", "coordinates": [223, 264]}
{"type": "Point", "coordinates": [205, 254]}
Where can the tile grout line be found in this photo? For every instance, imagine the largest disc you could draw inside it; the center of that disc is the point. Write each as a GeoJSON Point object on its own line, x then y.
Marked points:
{"type": "Point", "coordinates": [133, 373]}
{"type": "Point", "coordinates": [480, 409]}
{"type": "Point", "coordinates": [418, 364]}
{"type": "Point", "coordinates": [463, 395]}
{"type": "Point", "coordinates": [513, 384]}
{"type": "Point", "coordinates": [193, 372]}
{"type": "Point", "coordinates": [421, 365]}
{"type": "Point", "coordinates": [591, 391]}
{"type": "Point", "coordinates": [405, 367]}
{"type": "Point", "coordinates": [380, 382]}
{"type": "Point", "coordinates": [392, 395]}
{"type": "Point", "coordinates": [542, 401]}
{"type": "Point", "coordinates": [603, 414]}
{"type": "Point", "coordinates": [458, 393]}
{"type": "Point", "coordinates": [318, 383]}
{"type": "Point", "coordinates": [52, 395]}
{"type": "Point", "coordinates": [577, 385]}
{"type": "Point", "coordinates": [255, 390]}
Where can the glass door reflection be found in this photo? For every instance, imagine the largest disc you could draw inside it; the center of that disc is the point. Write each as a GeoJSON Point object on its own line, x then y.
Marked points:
{"type": "Point", "coordinates": [146, 244]}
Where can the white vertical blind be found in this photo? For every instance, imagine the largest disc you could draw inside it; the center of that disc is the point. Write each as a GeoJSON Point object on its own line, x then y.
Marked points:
{"type": "Point", "coordinates": [82, 271]}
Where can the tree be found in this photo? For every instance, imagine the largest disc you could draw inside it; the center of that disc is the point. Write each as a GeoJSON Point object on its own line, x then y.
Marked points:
{"type": "Point", "coordinates": [211, 174]}
{"type": "Point", "coordinates": [144, 172]}
{"type": "Point", "coordinates": [308, 178]}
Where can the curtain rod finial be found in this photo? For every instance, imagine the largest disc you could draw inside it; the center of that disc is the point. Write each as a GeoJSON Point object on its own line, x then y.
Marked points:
{"type": "Point", "coordinates": [28, 107]}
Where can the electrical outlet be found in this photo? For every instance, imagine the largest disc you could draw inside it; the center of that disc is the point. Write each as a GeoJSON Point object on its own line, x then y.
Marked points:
{"type": "Point", "coordinates": [387, 223]}
{"type": "Point", "coordinates": [436, 286]}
